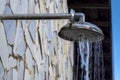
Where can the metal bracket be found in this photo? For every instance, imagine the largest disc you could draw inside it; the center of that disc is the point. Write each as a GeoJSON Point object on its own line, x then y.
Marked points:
{"type": "Point", "coordinates": [72, 12]}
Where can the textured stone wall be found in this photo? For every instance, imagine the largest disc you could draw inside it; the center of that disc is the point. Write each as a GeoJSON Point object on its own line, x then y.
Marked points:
{"type": "Point", "coordinates": [31, 49]}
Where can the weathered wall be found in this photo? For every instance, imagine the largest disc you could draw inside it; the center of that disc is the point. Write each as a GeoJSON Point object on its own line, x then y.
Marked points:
{"type": "Point", "coordinates": [31, 49]}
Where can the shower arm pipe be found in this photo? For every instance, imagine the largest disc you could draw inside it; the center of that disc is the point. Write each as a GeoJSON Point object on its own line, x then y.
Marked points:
{"type": "Point", "coordinates": [80, 16]}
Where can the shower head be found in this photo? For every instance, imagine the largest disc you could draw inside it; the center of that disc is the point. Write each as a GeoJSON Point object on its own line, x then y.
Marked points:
{"type": "Point", "coordinates": [73, 31]}
{"type": "Point", "coordinates": [80, 30]}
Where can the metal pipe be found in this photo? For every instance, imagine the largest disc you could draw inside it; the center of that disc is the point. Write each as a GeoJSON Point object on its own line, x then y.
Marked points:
{"type": "Point", "coordinates": [82, 18]}
{"type": "Point", "coordinates": [39, 16]}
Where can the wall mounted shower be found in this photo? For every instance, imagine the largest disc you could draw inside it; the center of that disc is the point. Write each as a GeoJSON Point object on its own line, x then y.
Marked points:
{"type": "Point", "coordinates": [72, 31]}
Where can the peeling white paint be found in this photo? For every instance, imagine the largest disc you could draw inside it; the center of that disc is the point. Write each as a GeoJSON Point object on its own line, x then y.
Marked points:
{"type": "Point", "coordinates": [10, 74]}
{"type": "Point", "coordinates": [4, 53]}
{"type": "Point", "coordinates": [29, 60]}
{"type": "Point", "coordinates": [29, 42]}
{"type": "Point", "coordinates": [10, 50]}
{"type": "Point", "coordinates": [52, 6]}
{"type": "Point", "coordinates": [42, 72]}
{"type": "Point", "coordinates": [2, 6]}
{"type": "Point", "coordinates": [33, 29]}
{"type": "Point", "coordinates": [31, 6]}
{"type": "Point", "coordinates": [12, 63]}
{"type": "Point", "coordinates": [21, 70]}
{"type": "Point", "coordinates": [49, 31]}
{"type": "Point", "coordinates": [15, 6]}
{"type": "Point", "coordinates": [15, 74]}
{"type": "Point", "coordinates": [10, 27]}
{"type": "Point", "coordinates": [1, 71]}
{"type": "Point", "coordinates": [37, 10]}
{"type": "Point", "coordinates": [31, 49]}
{"type": "Point", "coordinates": [27, 75]}
{"type": "Point", "coordinates": [19, 44]}
{"type": "Point", "coordinates": [24, 6]}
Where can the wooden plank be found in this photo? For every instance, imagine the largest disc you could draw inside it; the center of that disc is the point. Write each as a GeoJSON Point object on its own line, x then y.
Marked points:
{"type": "Point", "coordinates": [101, 23]}
{"type": "Point", "coordinates": [89, 6]}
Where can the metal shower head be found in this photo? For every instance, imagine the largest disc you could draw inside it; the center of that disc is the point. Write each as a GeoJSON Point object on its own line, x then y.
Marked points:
{"type": "Point", "coordinates": [73, 31]}
{"type": "Point", "coordinates": [79, 31]}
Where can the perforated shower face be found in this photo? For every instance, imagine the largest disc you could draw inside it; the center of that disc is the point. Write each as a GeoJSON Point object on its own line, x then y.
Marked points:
{"type": "Point", "coordinates": [79, 31]}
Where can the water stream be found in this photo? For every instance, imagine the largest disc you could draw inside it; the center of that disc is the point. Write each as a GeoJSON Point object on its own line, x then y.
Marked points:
{"type": "Point", "coordinates": [90, 61]}
{"type": "Point", "coordinates": [98, 62]}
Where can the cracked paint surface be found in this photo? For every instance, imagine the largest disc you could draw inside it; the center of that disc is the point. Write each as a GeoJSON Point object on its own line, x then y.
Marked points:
{"type": "Point", "coordinates": [31, 49]}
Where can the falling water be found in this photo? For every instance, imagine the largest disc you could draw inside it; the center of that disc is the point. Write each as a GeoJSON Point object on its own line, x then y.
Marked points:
{"type": "Point", "coordinates": [90, 64]}
{"type": "Point", "coordinates": [98, 62]}
{"type": "Point", "coordinates": [84, 55]}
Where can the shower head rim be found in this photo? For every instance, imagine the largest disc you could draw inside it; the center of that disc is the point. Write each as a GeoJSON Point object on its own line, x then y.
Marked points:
{"type": "Point", "coordinates": [76, 26]}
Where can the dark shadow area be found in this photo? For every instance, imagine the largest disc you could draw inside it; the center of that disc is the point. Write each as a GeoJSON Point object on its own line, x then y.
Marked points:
{"type": "Point", "coordinates": [97, 12]}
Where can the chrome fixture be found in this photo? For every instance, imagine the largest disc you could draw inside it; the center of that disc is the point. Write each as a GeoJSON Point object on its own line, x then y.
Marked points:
{"type": "Point", "coordinates": [79, 31]}
{"type": "Point", "coordinates": [72, 31]}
